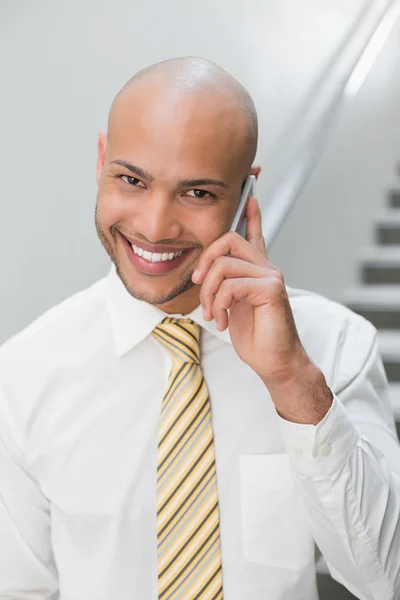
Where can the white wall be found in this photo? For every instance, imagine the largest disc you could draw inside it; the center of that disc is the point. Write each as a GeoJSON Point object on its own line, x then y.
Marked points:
{"type": "Point", "coordinates": [62, 62]}
{"type": "Point", "coordinates": [318, 246]}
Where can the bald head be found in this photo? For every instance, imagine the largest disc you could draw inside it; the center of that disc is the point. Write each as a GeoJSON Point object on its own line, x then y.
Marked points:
{"type": "Point", "coordinates": [181, 140]}
{"type": "Point", "coordinates": [192, 76]}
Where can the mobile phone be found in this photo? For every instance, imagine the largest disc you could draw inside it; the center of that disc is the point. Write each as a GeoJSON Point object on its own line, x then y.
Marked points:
{"type": "Point", "coordinates": [239, 223]}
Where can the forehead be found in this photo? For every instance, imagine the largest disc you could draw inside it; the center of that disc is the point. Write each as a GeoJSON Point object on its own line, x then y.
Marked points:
{"type": "Point", "coordinates": [170, 130]}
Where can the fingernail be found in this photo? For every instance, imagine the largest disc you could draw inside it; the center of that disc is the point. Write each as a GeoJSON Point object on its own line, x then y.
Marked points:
{"type": "Point", "coordinates": [195, 274]}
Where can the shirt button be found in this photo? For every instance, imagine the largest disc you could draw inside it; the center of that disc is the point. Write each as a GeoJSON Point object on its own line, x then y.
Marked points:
{"type": "Point", "coordinates": [297, 450]}
{"type": "Point", "coordinates": [353, 534]}
{"type": "Point", "coordinates": [325, 450]}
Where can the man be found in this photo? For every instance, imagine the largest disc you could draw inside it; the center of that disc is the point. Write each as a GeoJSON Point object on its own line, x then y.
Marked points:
{"type": "Point", "coordinates": [138, 462]}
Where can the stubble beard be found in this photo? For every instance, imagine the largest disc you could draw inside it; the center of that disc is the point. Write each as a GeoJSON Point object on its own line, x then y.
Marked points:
{"type": "Point", "coordinates": [183, 286]}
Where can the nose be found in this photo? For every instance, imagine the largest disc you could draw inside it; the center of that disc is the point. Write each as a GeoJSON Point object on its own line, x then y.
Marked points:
{"type": "Point", "coordinates": [156, 220]}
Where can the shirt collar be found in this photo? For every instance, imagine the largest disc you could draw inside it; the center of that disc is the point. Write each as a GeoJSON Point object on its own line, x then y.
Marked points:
{"type": "Point", "coordinates": [133, 320]}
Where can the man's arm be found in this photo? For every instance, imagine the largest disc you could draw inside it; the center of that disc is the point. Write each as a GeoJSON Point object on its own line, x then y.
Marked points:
{"type": "Point", "coordinates": [25, 548]}
{"type": "Point", "coordinates": [348, 473]}
{"type": "Point", "coordinates": [343, 449]}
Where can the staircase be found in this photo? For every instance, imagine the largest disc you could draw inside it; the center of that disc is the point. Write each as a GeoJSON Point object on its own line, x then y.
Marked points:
{"type": "Point", "coordinates": [377, 298]}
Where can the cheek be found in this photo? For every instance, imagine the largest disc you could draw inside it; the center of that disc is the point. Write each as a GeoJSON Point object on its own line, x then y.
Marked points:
{"type": "Point", "coordinates": [110, 208]}
{"type": "Point", "coordinates": [211, 227]}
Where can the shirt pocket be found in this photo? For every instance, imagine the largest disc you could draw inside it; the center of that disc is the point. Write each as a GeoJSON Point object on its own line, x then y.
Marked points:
{"type": "Point", "coordinates": [274, 525]}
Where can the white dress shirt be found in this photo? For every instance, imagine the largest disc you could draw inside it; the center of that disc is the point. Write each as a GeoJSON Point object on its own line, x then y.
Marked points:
{"type": "Point", "coordinates": [80, 396]}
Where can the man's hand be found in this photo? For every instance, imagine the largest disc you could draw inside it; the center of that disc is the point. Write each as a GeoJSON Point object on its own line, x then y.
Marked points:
{"type": "Point", "coordinates": [236, 275]}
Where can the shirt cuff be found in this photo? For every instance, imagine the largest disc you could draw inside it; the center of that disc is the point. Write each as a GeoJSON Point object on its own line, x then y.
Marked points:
{"type": "Point", "coordinates": [320, 451]}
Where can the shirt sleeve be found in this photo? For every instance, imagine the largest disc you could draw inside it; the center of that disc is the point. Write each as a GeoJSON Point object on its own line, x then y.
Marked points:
{"type": "Point", "coordinates": [26, 570]}
{"type": "Point", "coordinates": [347, 470]}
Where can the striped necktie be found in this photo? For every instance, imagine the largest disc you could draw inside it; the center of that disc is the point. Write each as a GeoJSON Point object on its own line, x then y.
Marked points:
{"type": "Point", "coordinates": [189, 551]}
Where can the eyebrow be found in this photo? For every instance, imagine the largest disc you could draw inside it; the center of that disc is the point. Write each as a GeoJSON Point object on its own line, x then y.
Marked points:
{"type": "Point", "coordinates": [196, 182]}
{"type": "Point", "coordinates": [184, 183]}
{"type": "Point", "coordinates": [133, 169]}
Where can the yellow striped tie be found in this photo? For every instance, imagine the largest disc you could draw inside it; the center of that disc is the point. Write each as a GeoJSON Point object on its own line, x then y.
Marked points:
{"type": "Point", "coordinates": [189, 552]}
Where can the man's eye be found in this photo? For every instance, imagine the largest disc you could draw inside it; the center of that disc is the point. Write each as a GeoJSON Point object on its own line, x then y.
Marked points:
{"type": "Point", "coordinates": [131, 180]}
{"type": "Point", "coordinates": [200, 194]}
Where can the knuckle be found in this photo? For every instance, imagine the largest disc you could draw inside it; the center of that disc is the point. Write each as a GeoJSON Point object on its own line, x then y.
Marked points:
{"type": "Point", "coordinates": [233, 236]}
{"type": "Point", "coordinates": [228, 284]}
{"type": "Point", "coordinates": [227, 290]}
{"type": "Point", "coordinates": [276, 283]}
{"type": "Point", "coordinates": [222, 262]}
{"type": "Point", "coordinates": [223, 290]}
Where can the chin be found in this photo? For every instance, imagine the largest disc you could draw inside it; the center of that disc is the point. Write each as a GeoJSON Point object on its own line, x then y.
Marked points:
{"type": "Point", "coordinates": [155, 294]}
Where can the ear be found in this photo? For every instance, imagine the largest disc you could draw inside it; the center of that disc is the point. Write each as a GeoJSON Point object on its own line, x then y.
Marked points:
{"type": "Point", "coordinates": [255, 170]}
{"type": "Point", "coordinates": [101, 154]}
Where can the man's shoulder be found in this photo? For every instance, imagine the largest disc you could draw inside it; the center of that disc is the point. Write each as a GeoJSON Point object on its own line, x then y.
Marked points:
{"type": "Point", "coordinates": [58, 327]}
{"type": "Point", "coordinates": [325, 318]}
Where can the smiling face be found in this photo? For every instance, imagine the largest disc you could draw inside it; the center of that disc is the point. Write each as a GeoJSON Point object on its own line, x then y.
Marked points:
{"type": "Point", "coordinates": [170, 175]}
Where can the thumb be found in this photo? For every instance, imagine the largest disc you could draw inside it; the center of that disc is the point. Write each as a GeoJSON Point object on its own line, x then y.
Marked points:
{"type": "Point", "coordinates": [254, 234]}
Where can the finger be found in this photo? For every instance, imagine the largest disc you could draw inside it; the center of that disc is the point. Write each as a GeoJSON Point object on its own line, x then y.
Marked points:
{"type": "Point", "coordinates": [255, 291]}
{"type": "Point", "coordinates": [229, 244]}
{"type": "Point", "coordinates": [221, 317]}
{"type": "Point", "coordinates": [230, 293]}
{"type": "Point", "coordinates": [225, 267]}
{"type": "Point", "coordinates": [254, 234]}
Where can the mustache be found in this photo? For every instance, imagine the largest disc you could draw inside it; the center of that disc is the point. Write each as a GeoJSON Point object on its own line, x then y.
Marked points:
{"type": "Point", "coordinates": [166, 242]}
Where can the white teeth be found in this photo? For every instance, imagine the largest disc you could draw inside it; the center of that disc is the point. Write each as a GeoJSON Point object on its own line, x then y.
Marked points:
{"type": "Point", "coordinates": [147, 255]}
{"type": "Point", "coordinates": [155, 256]}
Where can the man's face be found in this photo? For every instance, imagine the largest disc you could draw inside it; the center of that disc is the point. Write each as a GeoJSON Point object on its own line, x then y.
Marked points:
{"type": "Point", "coordinates": [169, 179]}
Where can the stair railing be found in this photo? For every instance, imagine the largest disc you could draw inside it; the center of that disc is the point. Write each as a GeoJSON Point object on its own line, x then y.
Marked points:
{"type": "Point", "coordinates": [296, 155]}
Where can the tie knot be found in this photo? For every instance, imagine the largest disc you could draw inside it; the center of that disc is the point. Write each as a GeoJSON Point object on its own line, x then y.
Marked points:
{"type": "Point", "coordinates": [180, 337]}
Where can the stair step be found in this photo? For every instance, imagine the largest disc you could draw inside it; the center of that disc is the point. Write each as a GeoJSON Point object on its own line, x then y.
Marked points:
{"type": "Point", "coordinates": [380, 256]}
{"type": "Point", "coordinates": [394, 198]}
{"type": "Point", "coordinates": [388, 227]}
{"type": "Point", "coordinates": [374, 296]}
{"type": "Point", "coordinates": [388, 216]}
{"type": "Point", "coordinates": [389, 346]}
{"type": "Point", "coordinates": [380, 264]}
{"type": "Point", "coordinates": [380, 304]}
{"type": "Point", "coordinates": [394, 391]}
{"type": "Point", "coordinates": [329, 589]}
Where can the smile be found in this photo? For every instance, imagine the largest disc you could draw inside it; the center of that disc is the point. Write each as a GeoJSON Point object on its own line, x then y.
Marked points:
{"type": "Point", "coordinates": [154, 263]}
{"type": "Point", "coordinates": [155, 257]}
